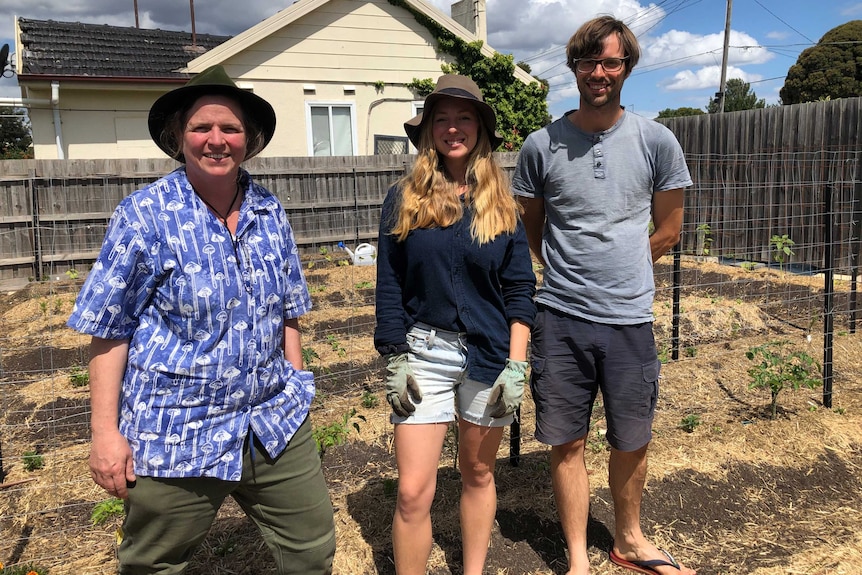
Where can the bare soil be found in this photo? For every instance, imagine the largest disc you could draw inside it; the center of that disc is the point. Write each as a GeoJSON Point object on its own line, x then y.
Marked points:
{"type": "Point", "coordinates": [735, 492]}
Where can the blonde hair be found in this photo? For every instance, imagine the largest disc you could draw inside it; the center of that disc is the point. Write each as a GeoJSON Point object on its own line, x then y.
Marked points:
{"type": "Point", "coordinates": [430, 199]}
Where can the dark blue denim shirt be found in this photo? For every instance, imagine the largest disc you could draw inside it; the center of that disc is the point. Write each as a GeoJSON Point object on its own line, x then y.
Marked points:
{"type": "Point", "coordinates": [444, 278]}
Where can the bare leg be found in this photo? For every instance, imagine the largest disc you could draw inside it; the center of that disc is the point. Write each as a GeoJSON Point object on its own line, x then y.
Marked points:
{"type": "Point", "coordinates": [626, 477]}
{"type": "Point", "coordinates": [477, 457]}
{"type": "Point", "coordinates": [572, 494]}
{"type": "Point", "coordinates": [417, 454]}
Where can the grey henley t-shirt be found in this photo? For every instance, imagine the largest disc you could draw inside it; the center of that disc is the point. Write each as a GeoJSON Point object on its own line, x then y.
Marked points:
{"type": "Point", "coordinates": [598, 189]}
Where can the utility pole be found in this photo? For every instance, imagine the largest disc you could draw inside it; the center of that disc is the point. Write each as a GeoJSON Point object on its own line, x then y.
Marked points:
{"type": "Point", "coordinates": [137, 21]}
{"type": "Point", "coordinates": [720, 96]}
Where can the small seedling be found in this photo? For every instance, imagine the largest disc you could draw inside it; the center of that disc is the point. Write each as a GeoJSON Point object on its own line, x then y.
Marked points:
{"type": "Point", "coordinates": [79, 376]}
{"type": "Point", "coordinates": [781, 244]}
{"type": "Point", "coordinates": [225, 548]}
{"type": "Point", "coordinates": [309, 356]}
{"type": "Point", "coordinates": [369, 400]}
{"type": "Point", "coordinates": [597, 443]}
{"type": "Point", "coordinates": [32, 460]}
{"type": "Point", "coordinates": [335, 433]}
{"type": "Point", "coordinates": [336, 345]}
{"type": "Point", "coordinates": [690, 422]}
{"type": "Point", "coordinates": [691, 351]}
{"type": "Point", "coordinates": [704, 237]}
{"type": "Point", "coordinates": [748, 266]}
{"type": "Point", "coordinates": [43, 306]}
{"type": "Point", "coordinates": [105, 510]}
{"type": "Point", "coordinates": [777, 369]}
{"type": "Point", "coordinates": [664, 354]}
{"type": "Point", "coordinates": [364, 285]}
{"type": "Point", "coordinates": [72, 274]}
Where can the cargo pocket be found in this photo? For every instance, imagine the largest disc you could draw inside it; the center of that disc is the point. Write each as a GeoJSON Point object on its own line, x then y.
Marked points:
{"type": "Point", "coordinates": [650, 374]}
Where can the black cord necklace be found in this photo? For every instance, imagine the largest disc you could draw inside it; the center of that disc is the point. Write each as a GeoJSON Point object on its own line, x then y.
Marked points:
{"type": "Point", "coordinates": [223, 219]}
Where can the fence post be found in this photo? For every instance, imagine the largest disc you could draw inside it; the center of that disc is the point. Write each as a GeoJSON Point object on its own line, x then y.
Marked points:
{"type": "Point", "coordinates": [855, 246]}
{"type": "Point", "coordinates": [515, 439]}
{"type": "Point", "coordinates": [37, 227]}
{"type": "Point", "coordinates": [677, 293]}
{"type": "Point", "coordinates": [828, 296]}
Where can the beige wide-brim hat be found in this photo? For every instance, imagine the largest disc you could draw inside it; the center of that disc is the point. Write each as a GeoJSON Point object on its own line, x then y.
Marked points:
{"type": "Point", "coordinates": [213, 81]}
{"type": "Point", "coordinates": [464, 88]}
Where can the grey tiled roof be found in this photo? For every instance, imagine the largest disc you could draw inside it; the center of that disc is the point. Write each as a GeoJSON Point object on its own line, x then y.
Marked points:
{"type": "Point", "coordinates": [97, 50]}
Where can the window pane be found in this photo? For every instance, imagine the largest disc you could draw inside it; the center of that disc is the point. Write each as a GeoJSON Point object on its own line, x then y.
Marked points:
{"type": "Point", "coordinates": [342, 134]}
{"type": "Point", "coordinates": [320, 130]}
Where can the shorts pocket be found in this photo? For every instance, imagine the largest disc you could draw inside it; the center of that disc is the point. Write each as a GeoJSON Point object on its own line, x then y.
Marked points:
{"type": "Point", "coordinates": [651, 371]}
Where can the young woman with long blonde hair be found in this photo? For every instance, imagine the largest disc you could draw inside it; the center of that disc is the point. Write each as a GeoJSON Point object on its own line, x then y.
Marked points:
{"type": "Point", "coordinates": [454, 306]}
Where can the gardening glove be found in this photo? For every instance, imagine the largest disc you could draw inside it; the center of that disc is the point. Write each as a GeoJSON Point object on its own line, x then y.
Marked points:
{"type": "Point", "coordinates": [508, 389]}
{"type": "Point", "coordinates": [401, 385]}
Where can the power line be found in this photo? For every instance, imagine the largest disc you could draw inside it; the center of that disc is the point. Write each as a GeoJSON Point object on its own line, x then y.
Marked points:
{"type": "Point", "coordinates": [783, 22]}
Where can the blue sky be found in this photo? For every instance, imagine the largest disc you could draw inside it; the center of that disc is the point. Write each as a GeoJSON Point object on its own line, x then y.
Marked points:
{"type": "Point", "coordinates": [681, 40]}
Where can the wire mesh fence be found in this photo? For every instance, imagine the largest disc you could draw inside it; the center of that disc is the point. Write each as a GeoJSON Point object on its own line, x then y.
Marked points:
{"type": "Point", "coordinates": [757, 262]}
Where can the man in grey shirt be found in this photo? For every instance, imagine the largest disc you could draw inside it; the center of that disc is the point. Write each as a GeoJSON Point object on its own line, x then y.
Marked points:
{"type": "Point", "coordinates": [590, 184]}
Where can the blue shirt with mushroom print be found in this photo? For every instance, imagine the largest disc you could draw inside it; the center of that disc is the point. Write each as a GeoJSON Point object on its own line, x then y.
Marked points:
{"type": "Point", "coordinates": [204, 313]}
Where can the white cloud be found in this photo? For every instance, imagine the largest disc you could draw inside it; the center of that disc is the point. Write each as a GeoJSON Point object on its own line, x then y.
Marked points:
{"type": "Point", "coordinates": [679, 48]}
{"type": "Point", "coordinates": [706, 77]}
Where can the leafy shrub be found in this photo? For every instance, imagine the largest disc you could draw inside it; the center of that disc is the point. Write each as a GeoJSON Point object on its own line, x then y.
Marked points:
{"type": "Point", "coordinates": [777, 369]}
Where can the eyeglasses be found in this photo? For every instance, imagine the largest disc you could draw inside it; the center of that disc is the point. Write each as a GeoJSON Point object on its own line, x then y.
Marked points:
{"type": "Point", "coordinates": [586, 65]}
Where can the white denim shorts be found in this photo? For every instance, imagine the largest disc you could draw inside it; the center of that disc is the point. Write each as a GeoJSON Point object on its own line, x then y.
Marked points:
{"type": "Point", "coordinates": [439, 362]}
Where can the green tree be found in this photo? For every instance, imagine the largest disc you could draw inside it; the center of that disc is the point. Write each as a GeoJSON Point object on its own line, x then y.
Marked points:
{"type": "Point", "coordinates": [520, 108]}
{"type": "Point", "coordinates": [679, 112]}
{"type": "Point", "coordinates": [737, 96]}
{"type": "Point", "coordinates": [830, 69]}
{"type": "Point", "coordinates": [15, 140]}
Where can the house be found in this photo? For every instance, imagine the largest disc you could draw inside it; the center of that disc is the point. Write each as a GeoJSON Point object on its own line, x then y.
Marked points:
{"type": "Point", "coordinates": [336, 72]}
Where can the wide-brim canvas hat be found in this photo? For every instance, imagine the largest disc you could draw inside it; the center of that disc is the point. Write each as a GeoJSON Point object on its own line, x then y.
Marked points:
{"type": "Point", "coordinates": [462, 87]}
{"type": "Point", "coordinates": [211, 82]}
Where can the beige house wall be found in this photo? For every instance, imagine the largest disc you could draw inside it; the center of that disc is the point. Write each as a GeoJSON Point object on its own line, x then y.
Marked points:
{"type": "Point", "coordinates": [105, 123]}
{"type": "Point", "coordinates": [339, 52]}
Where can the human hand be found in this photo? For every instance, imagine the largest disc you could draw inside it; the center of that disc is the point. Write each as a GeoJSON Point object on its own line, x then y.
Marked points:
{"type": "Point", "coordinates": [401, 385]}
{"type": "Point", "coordinates": [111, 464]}
{"type": "Point", "coordinates": [508, 389]}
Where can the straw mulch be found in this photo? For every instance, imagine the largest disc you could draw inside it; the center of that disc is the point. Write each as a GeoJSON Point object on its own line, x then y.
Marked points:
{"type": "Point", "coordinates": [735, 493]}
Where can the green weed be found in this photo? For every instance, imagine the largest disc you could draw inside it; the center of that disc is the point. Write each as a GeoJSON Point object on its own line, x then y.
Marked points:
{"type": "Point", "coordinates": [32, 460]}
{"type": "Point", "coordinates": [335, 433]}
{"type": "Point", "coordinates": [690, 422]}
{"type": "Point", "coordinates": [106, 510]}
{"type": "Point", "coordinates": [79, 376]}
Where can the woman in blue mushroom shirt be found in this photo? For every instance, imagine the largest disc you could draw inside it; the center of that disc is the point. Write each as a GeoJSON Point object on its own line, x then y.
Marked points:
{"type": "Point", "coordinates": [196, 378]}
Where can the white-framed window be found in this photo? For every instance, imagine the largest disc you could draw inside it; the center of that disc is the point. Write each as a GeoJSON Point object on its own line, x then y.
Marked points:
{"type": "Point", "coordinates": [331, 128]}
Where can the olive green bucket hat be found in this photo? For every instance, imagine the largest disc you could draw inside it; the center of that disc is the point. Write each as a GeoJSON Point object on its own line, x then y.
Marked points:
{"type": "Point", "coordinates": [213, 81]}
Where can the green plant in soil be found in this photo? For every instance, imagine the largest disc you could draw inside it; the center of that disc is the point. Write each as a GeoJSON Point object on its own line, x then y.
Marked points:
{"type": "Point", "coordinates": [778, 367]}
{"type": "Point", "coordinates": [781, 246]}
{"type": "Point", "coordinates": [32, 460]}
{"type": "Point", "coordinates": [335, 433]}
{"type": "Point", "coordinates": [105, 510]}
{"type": "Point", "coordinates": [690, 422]}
